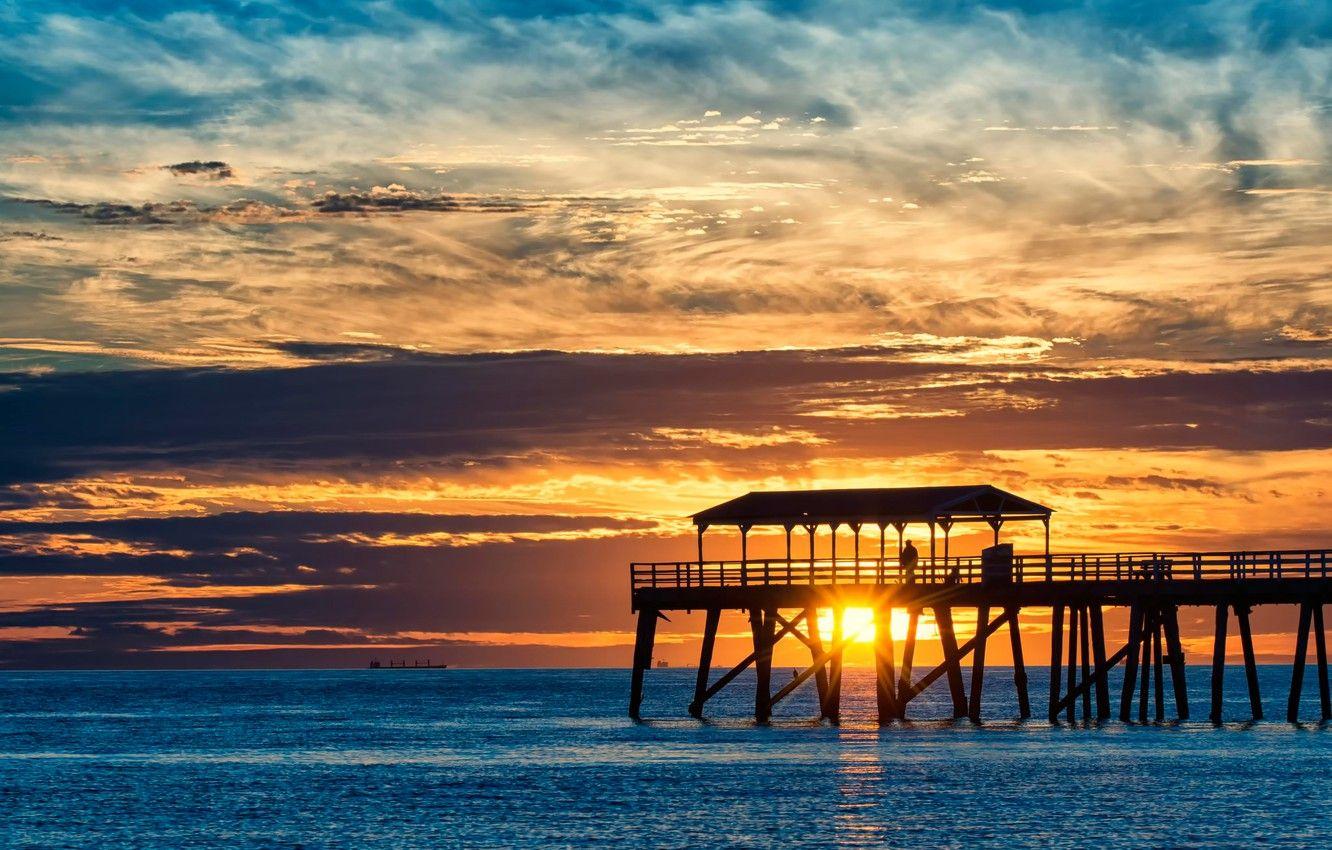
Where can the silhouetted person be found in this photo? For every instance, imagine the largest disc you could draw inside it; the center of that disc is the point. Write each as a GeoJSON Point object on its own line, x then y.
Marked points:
{"type": "Point", "coordinates": [908, 560]}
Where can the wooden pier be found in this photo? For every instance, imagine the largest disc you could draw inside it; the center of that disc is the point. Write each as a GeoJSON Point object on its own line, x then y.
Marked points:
{"type": "Point", "coordinates": [784, 597]}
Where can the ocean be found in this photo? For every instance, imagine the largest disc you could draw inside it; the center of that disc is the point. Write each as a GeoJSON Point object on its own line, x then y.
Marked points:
{"type": "Point", "coordinates": [535, 758]}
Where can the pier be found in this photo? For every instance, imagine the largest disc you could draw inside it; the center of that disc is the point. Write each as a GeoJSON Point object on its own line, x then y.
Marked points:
{"type": "Point", "coordinates": [784, 596]}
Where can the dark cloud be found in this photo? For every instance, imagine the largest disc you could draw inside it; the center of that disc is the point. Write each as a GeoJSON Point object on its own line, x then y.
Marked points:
{"type": "Point", "coordinates": [213, 170]}
{"type": "Point", "coordinates": [396, 198]}
{"type": "Point", "coordinates": [443, 410]}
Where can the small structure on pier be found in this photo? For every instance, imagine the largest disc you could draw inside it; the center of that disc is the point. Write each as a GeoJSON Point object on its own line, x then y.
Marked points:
{"type": "Point", "coordinates": [783, 596]}
{"type": "Point", "coordinates": [939, 508]}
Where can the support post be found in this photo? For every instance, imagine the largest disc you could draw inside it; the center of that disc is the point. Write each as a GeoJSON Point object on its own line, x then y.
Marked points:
{"type": "Point", "coordinates": [1019, 665]}
{"type": "Point", "coordinates": [1250, 665]}
{"type": "Point", "coordinates": [1320, 644]}
{"type": "Point", "coordinates": [884, 678]}
{"type": "Point", "coordinates": [1219, 661]}
{"type": "Point", "coordinates": [1056, 657]}
{"type": "Point", "coordinates": [705, 661]}
{"type": "Point", "coordinates": [978, 664]}
{"type": "Point", "coordinates": [908, 655]}
{"type": "Point", "coordinates": [943, 615]}
{"type": "Point", "coordinates": [1145, 682]}
{"type": "Point", "coordinates": [1159, 672]}
{"type": "Point", "coordinates": [833, 707]}
{"type": "Point", "coordinates": [1098, 648]}
{"type": "Point", "coordinates": [815, 650]}
{"type": "Point", "coordinates": [762, 624]}
{"type": "Point", "coordinates": [1131, 663]}
{"type": "Point", "coordinates": [643, 640]}
{"type": "Point", "coordinates": [1074, 613]}
{"type": "Point", "coordinates": [1175, 648]}
{"type": "Point", "coordinates": [1085, 627]}
{"type": "Point", "coordinates": [1297, 667]}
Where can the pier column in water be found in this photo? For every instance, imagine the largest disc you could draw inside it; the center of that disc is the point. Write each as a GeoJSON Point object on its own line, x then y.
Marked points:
{"type": "Point", "coordinates": [705, 661]}
{"type": "Point", "coordinates": [832, 708]}
{"type": "Point", "coordinates": [1250, 664]}
{"type": "Point", "coordinates": [1219, 661]}
{"type": "Point", "coordinates": [643, 640]}
{"type": "Point", "coordinates": [884, 678]}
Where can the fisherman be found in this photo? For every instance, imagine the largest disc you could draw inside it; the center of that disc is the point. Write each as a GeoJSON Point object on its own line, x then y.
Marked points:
{"type": "Point", "coordinates": [908, 560]}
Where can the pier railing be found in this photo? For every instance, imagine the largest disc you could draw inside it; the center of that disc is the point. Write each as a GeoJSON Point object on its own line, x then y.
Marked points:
{"type": "Point", "coordinates": [1090, 566]}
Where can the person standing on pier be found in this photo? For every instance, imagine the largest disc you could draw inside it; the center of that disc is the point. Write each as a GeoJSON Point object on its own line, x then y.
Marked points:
{"type": "Point", "coordinates": [908, 560]}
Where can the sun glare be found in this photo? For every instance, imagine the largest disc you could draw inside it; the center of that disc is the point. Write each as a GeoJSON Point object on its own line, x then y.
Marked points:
{"type": "Point", "coordinates": [858, 624]}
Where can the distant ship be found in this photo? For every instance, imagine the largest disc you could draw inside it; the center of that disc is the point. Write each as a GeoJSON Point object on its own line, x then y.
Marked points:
{"type": "Point", "coordinates": [662, 662]}
{"type": "Point", "coordinates": [403, 665]}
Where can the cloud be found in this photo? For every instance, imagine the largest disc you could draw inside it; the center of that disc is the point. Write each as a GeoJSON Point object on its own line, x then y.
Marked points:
{"type": "Point", "coordinates": [211, 170]}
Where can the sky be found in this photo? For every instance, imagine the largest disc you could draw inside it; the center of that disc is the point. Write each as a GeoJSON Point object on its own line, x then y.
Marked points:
{"type": "Point", "coordinates": [333, 332]}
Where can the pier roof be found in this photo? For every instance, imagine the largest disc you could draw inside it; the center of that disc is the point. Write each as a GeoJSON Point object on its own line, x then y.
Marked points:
{"type": "Point", "coordinates": [873, 506]}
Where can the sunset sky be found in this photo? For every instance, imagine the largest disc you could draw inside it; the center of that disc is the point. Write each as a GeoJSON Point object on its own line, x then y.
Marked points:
{"type": "Point", "coordinates": [335, 334]}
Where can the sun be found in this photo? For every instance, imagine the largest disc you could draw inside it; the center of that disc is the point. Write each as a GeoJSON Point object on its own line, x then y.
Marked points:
{"type": "Point", "coordinates": [858, 625]}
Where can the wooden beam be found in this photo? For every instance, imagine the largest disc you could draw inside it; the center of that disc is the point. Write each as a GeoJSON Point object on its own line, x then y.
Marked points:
{"type": "Point", "coordinates": [978, 662]}
{"type": "Point", "coordinates": [1131, 663]}
{"type": "Point", "coordinates": [643, 639]}
{"type": "Point", "coordinates": [1101, 673]}
{"type": "Point", "coordinates": [763, 624]}
{"type": "Point", "coordinates": [943, 616]}
{"type": "Point", "coordinates": [1056, 657]}
{"type": "Point", "coordinates": [705, 661]}
{"type": "Point", "coordinates": [885, 683]}
{"type": "Point", "coordinates": [908, 655]}
{"type": "Point", "coordinates": [1019, 666]}
{"type": "Point", "coordinates": [1219, 661]}
{"type": "Point", "coordinates": [1320, 644]}
{"type": "Point", "coordinates": [1073, 614]}
{"type": "Point", "coordinates": [1157, 666]}
{"type": "Point", "coordinates": [1144, 683]}
{"type": "Point", "coordinates": [824, 657]}
{"type": "Point", "coordinates": [933, 676]}
{"type": "Point", "coordinates": [1098, 648]}
{"type": "Point", "coordinates": [1250, 665]}
{"type": "Point", "coordinates": [1297, 667]}
{"type": "Point", "coordinates": [1175, 648]}
{"type": "Point", "coordinates": [815, 644]}
{"type": "Point", "coordinates": [1085, 627]}
{"type": "Point", "coordinates": [730, 675]}
{"type": "Point", "coordinates": [832, 708]}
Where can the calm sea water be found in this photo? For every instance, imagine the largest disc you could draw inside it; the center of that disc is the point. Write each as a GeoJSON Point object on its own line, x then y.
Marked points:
{"type": "Point", "coordinates": [417, 758]}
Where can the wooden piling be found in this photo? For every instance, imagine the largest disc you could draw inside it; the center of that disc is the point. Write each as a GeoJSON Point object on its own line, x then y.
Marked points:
{"type": "Point", "coordinates": [908, 655]}
{"type": "Point", "coordinates": [1131, 663]}
{"type": "Point", "coordinates": [1158, 671]}
{"type": "Point", "coordinates": [943, 616]}
{"type": "Point", "coordinates": [1098, 648]}
{"type": "Point", "coordinates": [884, 679]}
{"type": "Point", "coordinates": [1297, 665]}
{"type": "Point", "coordinates": [1175, 649]}
{"type": "Point", "coordinates": [978, 664]}
{"type": "Point", "coordinates": [1144, 683]}
{"type": "Point", "coordinates": [1056, 657]}
{"type": "Point", "coordinates": [1320, 644]}
{"type": "Point", "coordinates": [763, 623]}
{"type": "Point", "coordinates": [1219, 661]}
{"type": "Point", "coordinates": [1250, 665]}
{"type": "Point", "coordinates": [1073, 614]}
{"type": "Point", "coordinates": [815, 650]}
{"type": "Point", "coordinates": [713, 617]}
{"type": "Point", "coordinates": [832, 709]}
{"type": "Point", "coordinates": [643, 639]}
{"type": "Point", "coordinates": [1019, 665]}
{"type": "Point", "coordinates": [1085, 628]}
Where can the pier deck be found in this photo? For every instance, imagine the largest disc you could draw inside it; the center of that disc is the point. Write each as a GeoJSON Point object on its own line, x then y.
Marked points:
{"type": "Point", "coordinates": [783, 597]}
